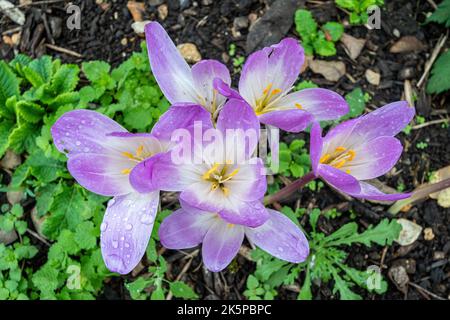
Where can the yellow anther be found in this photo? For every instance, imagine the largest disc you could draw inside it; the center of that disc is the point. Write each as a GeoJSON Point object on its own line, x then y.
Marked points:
{"type": "Point", "coordinates": [267, 89]}
{"type": "Point", "coordinates": [340, 149]}
{"type": "Point", "coordinates": [352, 154]}
{"type": "Point", "coordinates": [325, 158]}
{"type": "Point", "coordinates": [126, 171]}
{"type": "Point", "coordinates": [347, 171]}
{"type": "Point", "coordinates": [275, 91]}
{"type": "Point", "coordinates": [214, 186]}
{"type": "Point", "coordinates": [298, 106]}
{"type": "Point", "coordinates": [230, 225]}
{"type": "Point", "coordinates": [226, 191]}
{"type": "Point", "coordinates": [340, 164]}
{"type": "Point", "coordinates": [139, 151]}
{"type": "Point", "coordinates": [208, 173]}
{"type": "Point", "coordinates": [128, 155]}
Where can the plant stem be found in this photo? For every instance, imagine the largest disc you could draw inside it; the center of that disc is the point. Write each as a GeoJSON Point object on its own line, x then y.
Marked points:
{"type": "Point", "coordinates": [289, 189]}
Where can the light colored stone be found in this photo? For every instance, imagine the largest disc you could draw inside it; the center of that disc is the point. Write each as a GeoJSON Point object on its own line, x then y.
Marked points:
{"type": "Point", "coordinates": [163, 11]}
{"type": "Point", "coordinates": [409, 234]}
{"type": "Point", "coordinates": [139, 27]}
{"type": "Point", "coordinates": [428, 234]}
{"type": "Point", "coordinates": [353, 46]}
{"type": "Point", "coordinates": [407, 44]}
{"type": "Point", "coordinates": [189, 52]}
{"type": "Point", "coordinates": [373, 77]}
{"type": "Point", "coordinates": [8, 237]}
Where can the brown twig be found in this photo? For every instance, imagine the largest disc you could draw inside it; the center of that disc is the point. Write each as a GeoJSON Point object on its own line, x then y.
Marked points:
{"type": "Point", "coordinates": [429, 123]}
{"type": "Point", "coordinates": [182, 273]}
{"type": "Point", "coordinates": [38, 3]}
{"type": "Point", "coordinates": [37, 236]}
{"type": "Point", "coordinates": [426, 291]}
{"type": "Point", "coordinates": [434, 55]}
{"type": "Point", "coordinates": [64, 50]}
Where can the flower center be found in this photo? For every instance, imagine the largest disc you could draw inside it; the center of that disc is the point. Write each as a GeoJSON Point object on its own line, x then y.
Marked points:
{"type": "Point", "coordinates": [211, 106]}
{"type": "Point", "coordinates": [140, 155]}
{"type": "Point", "coordinates": [269, 95]}
{"type": "Point", "coordinates": [338, 158]}
{"type": "Point", "coordinates": [218, 175]}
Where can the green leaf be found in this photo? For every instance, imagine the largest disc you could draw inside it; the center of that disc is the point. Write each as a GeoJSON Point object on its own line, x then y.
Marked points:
{"type": "Point", "coordinates": [65, 79]}
{"type": "Point", "coordinates": [305, 291]}
{"type": "Point", "coordinates": [442, 14]}
{"type": "Point", "coordinates": [98, 72]}
{"type": "Point", "coordinates": [137, 287]}
{"type": "Point", "coordinates": [39, 71]}
{"type": "Point", "coordinates": [23, 137]}
{"type": "Point", "coordinates": [348, 4]}
{"type": "Point", "coordinates": [334, 29]}
{"type": "Point", "coordinates": [181, 290]}
{"type": "Point", "coordinates": [45, 197]}
{"type": "Point", "coordinates": [252, 282]}
{"type": "Point", "coordinates": [324, 47]}
{"type": "Point", "coordinates": [137, 118]}
{"type": "Point", "coordinates": [85, 235]}
{"type": "Point", "coordinates": [46, 279]}
{"type": "Point", "coordinates": [382, 234]}
{"type": "Point", "coordinates": [439, 80]}
{"type": "Point", "coordinates": [158, 294]}
{"type": "Point", "coordinates": [305, 25]}
{"type": "Point", "coordinates": [44, 169]}
{"type": "Point", "coordinates": [6, 128]}
{"type": "Point", "coordinates": [9, 84]}
{"type": "Point", "coordinates": [343, 287]}
{"type": "Point", "coordinates": [356, 102]}
{"type": "Point", "coordinates": [30, 111]}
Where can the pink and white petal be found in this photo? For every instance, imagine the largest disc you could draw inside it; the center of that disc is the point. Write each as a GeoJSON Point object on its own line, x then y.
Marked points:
{"type": "Point", "coordinates": [240, 128]}
{"type": "Point", "coordinates": [285, 62]}
{"type": "Point", "coordinates": [160, 173]}
{"type": "Point", "coordinates": [100, 173]}
{"type": "Point", "coordinates": [280, 237]}
{"type": "Point", "coordinates": [341, 135]}
{"type": "Point", "coordinates": [126, 230]}
{"type": "Point", "coordinates": [370, 192]}
{"type": "Point", "coordinates": [375, 158]}
{"type": "Point", "coordinates": [183, 229]}
{"type": "Point", "coordinates": [339, 179]}
{"type": "Point", "coordinates": [199, 195]}
{"type": "Point", "coordinates": [83, 131]}
{"type": "Point", "coordinates": [225, 90]}
{"type": "Point", "coordinates": [254, 77]}
{"type": "Point", "coordinates": [131, 143]}
{"type": "Point", "coordinates": [247, 213]}
{"type": "Point", "coordinates": [181, 116]}
{"type": "Point", "coordinates": [204, 73]}
{"type": "Point", "coordinates": [385, 121]}
{"type": "Point", "coordinates": [221, 244]}
{"type": "Point", "coordinates": [323, 104]}
{"type": "Point", "coordinates": [288, 120]}
{"type": "Point", "coordinates": [250, 183]}
{"type": "Point", "coordinates": [171, 71]}
{"type": "Point", "coordinates": [316, 146]}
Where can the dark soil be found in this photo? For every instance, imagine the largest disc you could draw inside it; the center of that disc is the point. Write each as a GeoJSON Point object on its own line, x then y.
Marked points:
{"type": "Point", "coordinates": [209, 25]}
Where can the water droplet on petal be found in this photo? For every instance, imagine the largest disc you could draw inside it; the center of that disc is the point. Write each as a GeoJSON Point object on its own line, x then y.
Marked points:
{"type": "Point", "coordinates": [111, 202]}
{"type": "Point", "coordinates": [103, 227]}
{"type": "Point", "coordinates": [86, 149]}
{"type": "Point", "coordinates": [78, 143]}
{"type": "Point", "coordinates": [129, 227]}
{"type": "Point", "coordinates": [146, 219]}
{"type": "Point", "coordinates": [280, 249]}
{"type": "Point", "coordinates": [115, 244]}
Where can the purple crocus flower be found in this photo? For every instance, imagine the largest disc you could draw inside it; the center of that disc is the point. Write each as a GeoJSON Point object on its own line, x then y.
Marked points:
{"type": "Point", "coordinates": [187, 228]}
{"type": "Point", "coordinates": [266, 80]}
{"type": "Point", "coordinates": [101, 154]}
{"type": "Point", "coordinates": [179, 82]}
{"type": "Point", "coordinates": [230, 181]}
{"type": "Point", "coordinates": [361, 149]}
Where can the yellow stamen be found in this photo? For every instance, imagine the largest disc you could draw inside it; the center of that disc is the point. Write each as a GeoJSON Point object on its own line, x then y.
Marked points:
{"type": "Point", "coordinates": [208, 173]}
{"type": "Point", "coordinates": [347, 171]}
{"type": "Point", "coordinates": [275, 91]}
{"type": "Point", "coordinates": [139, 151]}
{"type": "Point", "coordinates": [340, 149]}
{"type": "Point", "coordinates": [230, 225]}
{"type": "Point", "coordinates": [214, 186]}
{"type": "Point", "coordinates": [226, 191]}
{"type": "Point", "coordinates": [298, 106]}
{"type": "Point", "coordinates": [352, 155]}
{"type": "Point", "coordinates": [267, 89]}
{"type": "Point", "coordinates": [128, 155]}
{"type": "Point", "coordinates": [325, 158]}
{"type": "Point", "coordinates": [340, 164]}
{"type": "Point", "coordinates": [126, 171]}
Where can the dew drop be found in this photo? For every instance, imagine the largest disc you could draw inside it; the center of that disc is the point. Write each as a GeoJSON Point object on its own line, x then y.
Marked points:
{"type": "Point", "coordinates": [86, 149]}
{"type": "Point", "coordinates": [280, 249]}
{"type": "Point", "coordinates": [78, 143]}
{"type": "Point", "coordinates": [115, 244]}
{"type": "Point", "coordinates": [103, 227]}
{"type": "Point", "coordinates": [111, 202]}
{"type": "Point", "coordinates": [129, 227]}
{"type": "Point", "coordinates": [127, 245]}
{"type": "Point", "coordinates": [146, 219]}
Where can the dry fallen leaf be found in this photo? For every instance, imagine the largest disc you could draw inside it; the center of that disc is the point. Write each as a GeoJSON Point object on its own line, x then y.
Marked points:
{"type": "Point", "coordinates": [10, 160]}
{"type": "Point", "coordinates": [410, 232]}
{"type": "Point", "coordinates": [8, 237]}
{"type": "Point", "coordinates": [353, 46]}
{"type": "Point", "coordinates": [443, 197]}
{"type": "Point", "coordinates": [407, 44]}
{"type": "Point", "coordinates": [399, 277]}
{"type": "Point", "coordinates": [331, 70]}
{"type": "Point", "coordinates": [12, 12]}
{"type": "Point", "coordinates": [163, 11]}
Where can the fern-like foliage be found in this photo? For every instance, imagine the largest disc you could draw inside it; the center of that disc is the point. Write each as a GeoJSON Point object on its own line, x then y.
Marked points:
{"type": "Point", "coordinates": [442, 14]}
{"type": "Point", "coordinates": [440, 75]}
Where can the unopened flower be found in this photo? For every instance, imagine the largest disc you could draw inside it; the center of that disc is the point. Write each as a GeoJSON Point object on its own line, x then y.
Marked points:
{"type": "Point", "coordinates": [101, 154]}
{"type": "Point", "coordinates": [361, 149]}
{"type": "Point", "coordinates": [221, 240]}
{"type": "Point", "coordinates": [179, 82]}
{"type": "Point", "coordinates": [267, 79]}
{"type": "Point", "coordinates": [229, 181]}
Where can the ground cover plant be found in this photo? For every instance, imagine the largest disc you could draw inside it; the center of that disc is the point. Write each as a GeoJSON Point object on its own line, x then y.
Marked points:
{"type": "Point", "coordinates": [85, 147]}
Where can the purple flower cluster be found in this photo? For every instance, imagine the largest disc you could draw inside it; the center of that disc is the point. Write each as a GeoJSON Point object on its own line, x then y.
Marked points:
{"type": "Point", "coordinates": [221, 192]}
